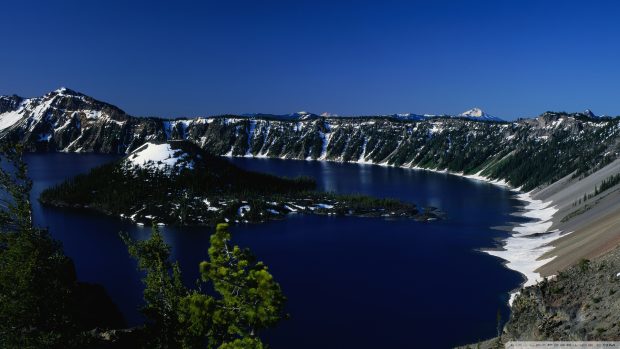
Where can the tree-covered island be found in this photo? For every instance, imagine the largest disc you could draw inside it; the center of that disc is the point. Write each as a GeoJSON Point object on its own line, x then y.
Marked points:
{"type": "Point", "coordinates": [179, 183]}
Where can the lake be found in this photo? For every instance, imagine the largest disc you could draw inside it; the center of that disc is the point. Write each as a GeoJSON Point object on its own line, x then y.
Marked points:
{"type": "Point", "coordinates": [350, 282]}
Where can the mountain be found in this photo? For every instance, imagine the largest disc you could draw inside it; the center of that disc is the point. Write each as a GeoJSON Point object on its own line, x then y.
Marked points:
{"type": "Point", "coordinates": [408, 116]}
{"type": "Point", "coordinates": [65, 120]}
{"type": "Point", "coordinates": [478, 114]}
{"type": "Point", "coordinates": [300, 115]}
{"type": "Point", "coordinates": [589, 113]}
{"type": "Point", "coordinates": [68, 121]}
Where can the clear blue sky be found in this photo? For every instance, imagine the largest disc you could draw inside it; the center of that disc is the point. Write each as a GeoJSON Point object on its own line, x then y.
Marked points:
{"type": "Point", "coordinates": [184, 58]}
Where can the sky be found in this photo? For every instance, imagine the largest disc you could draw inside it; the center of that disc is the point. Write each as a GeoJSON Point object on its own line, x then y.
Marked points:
{"type": "Point", "coordinates": [358, 57]}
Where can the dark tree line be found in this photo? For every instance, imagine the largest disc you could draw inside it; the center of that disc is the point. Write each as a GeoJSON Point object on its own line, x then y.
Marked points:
{"type": "Point", "coordinates": [42, 305]}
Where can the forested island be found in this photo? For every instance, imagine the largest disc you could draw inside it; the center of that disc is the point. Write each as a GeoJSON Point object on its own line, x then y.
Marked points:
{"type": "Point", "coordinates": [179, 183]}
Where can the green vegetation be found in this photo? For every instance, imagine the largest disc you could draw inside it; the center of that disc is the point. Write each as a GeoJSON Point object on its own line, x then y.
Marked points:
{"type": "Point", "coordinates": [41, 303]}
{"type": "Point", "coordinates": [578, 304]}
{"type": "Point", "coordinates": [213, 191]}
{"type": "Point", "coordinates": [583, 265]}
{"type": "Point", "coordinates": [237, 297]}
{"type": "Point", "coordinates": [527, 153]}
{"type": "Point", "coordinates": [607, 183]}
{"type": "Point", "coordinates": [111, 188]}
{"type": "Point", "coordinates": [163, 289]}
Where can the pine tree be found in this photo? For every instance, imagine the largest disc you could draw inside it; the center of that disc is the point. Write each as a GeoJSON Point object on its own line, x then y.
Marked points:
{"type": "Point", "coordinates": [237, 299]}
{"type": "Point", "coordinates": [36, 278]}
{"type": "Point", "coordinates": [163, 289]}
{"type": "Point", "coordinates": [15, 214]}
{"type": "Point", "coordinates": [250, 299]}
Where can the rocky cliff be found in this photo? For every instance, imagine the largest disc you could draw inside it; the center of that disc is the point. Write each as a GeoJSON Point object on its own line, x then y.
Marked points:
{"type": "Point", "coordinates": [527, 153]}
{"type": "Point", "coordinates": [581, 303]}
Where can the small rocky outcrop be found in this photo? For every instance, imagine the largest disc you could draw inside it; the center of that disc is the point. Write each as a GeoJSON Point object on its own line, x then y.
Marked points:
{"type": "Point", "coordinates": [581, 303]}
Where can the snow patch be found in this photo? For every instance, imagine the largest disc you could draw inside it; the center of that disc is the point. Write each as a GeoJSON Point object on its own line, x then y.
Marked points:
{"type": "Point", "coordinates": [243, 210]}
{"type": "Point", "coordinates": [10, 118]}
{"type": "Point", "coordinates": [530, 241]}
{"type": "Point", "coordinates": [160, 157]}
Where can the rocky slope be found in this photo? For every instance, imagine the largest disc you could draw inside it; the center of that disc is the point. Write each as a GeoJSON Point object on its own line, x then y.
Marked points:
{"type": "Point", "coordinates": [65, 120]}
{"type": "Point", "coordinates": [527, 153]}
{"type": "Point", "coordinates": [581, 303]}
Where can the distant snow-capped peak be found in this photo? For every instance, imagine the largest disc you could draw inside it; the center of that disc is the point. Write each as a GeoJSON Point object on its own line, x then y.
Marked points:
{"type": "Point", "coordinates": [328, 114]}
{"type": "Point", "coordinates": [64, 91]}
{"type": "Point", "coordinates": [477, 113]}
{"type": "Point", "coordinates": [589, 113]}
{"type": "Point", "coordinates": [303, 115]}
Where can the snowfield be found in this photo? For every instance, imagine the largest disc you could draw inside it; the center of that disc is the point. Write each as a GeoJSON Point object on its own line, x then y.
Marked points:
{"type": "Point", "coordinates": [10, 118]}
{"type": "Point", "coordinates": [161, 157]}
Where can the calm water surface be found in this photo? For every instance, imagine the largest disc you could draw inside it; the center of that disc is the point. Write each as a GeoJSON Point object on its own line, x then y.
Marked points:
{"type": "Point", "coordinates": [351, 282]}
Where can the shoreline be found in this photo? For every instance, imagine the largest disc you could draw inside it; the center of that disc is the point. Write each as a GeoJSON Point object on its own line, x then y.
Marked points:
{"type": "Point", "coordinates": [528, 241]}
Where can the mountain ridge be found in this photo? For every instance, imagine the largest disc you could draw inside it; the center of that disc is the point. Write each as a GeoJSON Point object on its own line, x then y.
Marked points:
{"type": "Point", "coordinates": [11, 102]}
{"type": "Point", "coordinates": [68, 121]}
{"type": "Point", "coordinates": [299, 114]}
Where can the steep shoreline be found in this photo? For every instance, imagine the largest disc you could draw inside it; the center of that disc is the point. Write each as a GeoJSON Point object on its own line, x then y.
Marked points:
{"type": "Point", "coordinates": [528, 242]}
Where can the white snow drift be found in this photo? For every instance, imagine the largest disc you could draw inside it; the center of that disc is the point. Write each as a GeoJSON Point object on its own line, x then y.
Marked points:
{"type": "Point", "coordinates": [161, 157]}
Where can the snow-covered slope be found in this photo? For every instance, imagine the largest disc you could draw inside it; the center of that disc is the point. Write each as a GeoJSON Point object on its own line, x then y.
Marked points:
{"type": "Point", "coordinates": [56, 120]}
{"type": "Point", "coordinates": [65, 120]}
{"type": "Point", "coordinates": [300, 115]}
{"type": "Point", "coordinates": [589, 113]}
{"type": "Point", "coordinates": [165, 157]}
{"type": "Point", "coordinates": [409, 116]}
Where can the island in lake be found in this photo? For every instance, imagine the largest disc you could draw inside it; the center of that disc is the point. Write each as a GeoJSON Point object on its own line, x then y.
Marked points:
{"type": "Point", "coordinates": [179, 183]}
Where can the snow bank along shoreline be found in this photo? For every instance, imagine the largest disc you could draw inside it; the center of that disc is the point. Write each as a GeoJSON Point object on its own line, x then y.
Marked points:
{"type": "Point", "coordinates": [529, 240]}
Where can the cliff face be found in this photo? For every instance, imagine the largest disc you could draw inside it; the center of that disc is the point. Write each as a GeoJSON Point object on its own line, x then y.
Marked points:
{"type": "Point", "coordinates": [527, 153]}
{"type": "Point", "coordinates": [581, 303]}
{"type": "Point", "coordinates": [65, 120]}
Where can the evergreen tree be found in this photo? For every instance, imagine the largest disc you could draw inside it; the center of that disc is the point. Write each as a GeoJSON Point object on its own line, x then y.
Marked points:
{"type": "Point", "coordinates": [163, 289]}
{"type": "Point", "coordinates": [250, 299]}
{"type": "Point", "coordinates": [15, 212]}
{"type": "Point", "coordinates": [237, 299]}
{"type": "Point", "coordinates": [245, 343]}
{"type": "Point", "coordinates": [36, 278]}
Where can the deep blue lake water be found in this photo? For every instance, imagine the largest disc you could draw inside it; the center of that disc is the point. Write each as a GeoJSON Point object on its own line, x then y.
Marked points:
{"type": "Point", "coordinates": [351, 282]}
